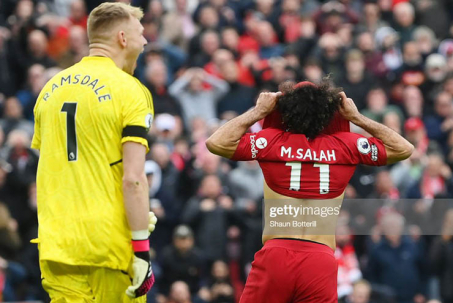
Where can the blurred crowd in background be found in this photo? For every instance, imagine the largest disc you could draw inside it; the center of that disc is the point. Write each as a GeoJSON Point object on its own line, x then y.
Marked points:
{"type": "Point", "coordinates": [206, 61]}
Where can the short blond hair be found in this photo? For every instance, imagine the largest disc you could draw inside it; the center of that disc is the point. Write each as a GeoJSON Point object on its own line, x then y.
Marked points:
{"type": "Point", "coordinates": [106, 16]}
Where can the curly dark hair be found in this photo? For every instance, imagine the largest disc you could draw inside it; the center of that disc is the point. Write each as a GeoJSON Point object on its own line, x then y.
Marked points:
{"type": "Point", "coordinates": [308, 109]}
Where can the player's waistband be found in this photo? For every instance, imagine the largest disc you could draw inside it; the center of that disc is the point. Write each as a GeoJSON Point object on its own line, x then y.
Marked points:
{"type": "Point", "coordinates": [299, 245]}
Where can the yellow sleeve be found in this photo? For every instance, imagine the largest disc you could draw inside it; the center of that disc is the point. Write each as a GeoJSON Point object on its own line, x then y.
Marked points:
{"type": "Point", "coordinates": [138, 113]}
{"type": "Point", "coordinates": [36, 141]}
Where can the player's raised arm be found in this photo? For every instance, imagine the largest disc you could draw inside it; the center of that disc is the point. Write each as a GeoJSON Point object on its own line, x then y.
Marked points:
{"type": "Point", "coordinates": [396, 147]}
{"type": "Point", "coordinates": [225, 140]}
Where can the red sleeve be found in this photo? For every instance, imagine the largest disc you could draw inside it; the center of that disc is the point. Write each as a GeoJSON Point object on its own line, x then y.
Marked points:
{"type": "Point", "coordinates": [359, 149]}
{"type": "Point", "coordinates": [252, 146]}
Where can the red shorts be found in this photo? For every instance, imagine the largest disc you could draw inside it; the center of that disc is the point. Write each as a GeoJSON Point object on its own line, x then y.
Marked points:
{"type": "Point", "coordinates": [292, 271]}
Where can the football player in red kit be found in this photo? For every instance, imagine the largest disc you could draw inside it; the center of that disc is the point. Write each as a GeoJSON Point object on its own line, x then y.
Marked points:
{"type": "Point", "coordinates": [306, 153]}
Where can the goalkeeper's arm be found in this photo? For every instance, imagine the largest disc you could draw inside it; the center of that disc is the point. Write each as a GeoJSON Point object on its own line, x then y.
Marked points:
{"type": "Point", "coordinates": [136, 202]}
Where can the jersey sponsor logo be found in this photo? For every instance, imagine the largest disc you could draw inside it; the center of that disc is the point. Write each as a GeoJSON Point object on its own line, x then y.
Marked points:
{"type": "Point", "coordinates": [261, 143]}
{"type": "Point", "coordinates": [374, 153]}
{"type": "Point", "coordinates": [363, 146]}
{"type": "Point", "coordinates": [253, 146]}
{"type": "Point", "coordinates": [148, 120]}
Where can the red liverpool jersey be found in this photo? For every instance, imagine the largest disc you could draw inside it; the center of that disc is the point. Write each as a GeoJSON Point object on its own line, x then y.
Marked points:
{"type": "Point", "coordinates": [318, 168]}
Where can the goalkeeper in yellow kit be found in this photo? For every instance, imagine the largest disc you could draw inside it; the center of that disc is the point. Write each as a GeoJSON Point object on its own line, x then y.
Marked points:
{"type": "Point", "coordinates": [91, 121]}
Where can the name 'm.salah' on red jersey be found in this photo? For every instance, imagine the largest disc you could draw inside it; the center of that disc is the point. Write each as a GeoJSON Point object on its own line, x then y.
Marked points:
{"type": "Point", "coordinates": [318, 168]}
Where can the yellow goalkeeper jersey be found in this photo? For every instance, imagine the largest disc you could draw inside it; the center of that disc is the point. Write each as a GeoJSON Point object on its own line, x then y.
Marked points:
{"type": "Point", "coordinates": [82, 117]}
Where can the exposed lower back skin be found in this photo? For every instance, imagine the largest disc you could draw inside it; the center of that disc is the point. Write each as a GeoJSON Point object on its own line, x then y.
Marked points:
{"type": "Point", "coordinates": [328, 230]}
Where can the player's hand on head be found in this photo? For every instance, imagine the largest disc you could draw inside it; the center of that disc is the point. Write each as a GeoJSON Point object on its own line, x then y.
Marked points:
{"type": "Point", "coordinates": [266, 103]}
{"type": "Point", "coordinates": [347, 108]}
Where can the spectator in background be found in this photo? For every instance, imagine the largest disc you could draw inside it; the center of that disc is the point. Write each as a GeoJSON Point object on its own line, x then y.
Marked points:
{"type": "Point", "coordinates": [448, 84]}
{"type": "Point", "coordinates": [435, 180]}
{"type": "Point", "coordinates": [220, 285]}
{"type": "Point", "coordinates": [411, 72]}
{"type": "Point", "coordinates": [307, 41]}
{"type": "Point", "coordinates": [12, 274]}
{"type": "Point", "coordinates": [239, 98]}
{"type": "Point", "coordinates": [407, 172]}
{"type": "Point", "coordinates": [415, 131]}
{"type": "Point", "coordinates": [29, 95]}
{"type": "Point", "coordinates": [387, 40]}
{"type": "Point", "coordinates": [24, 164]}
{"type": "Point", "coordinates": [179, 293]}
{"type": "Point", "coordinates": [332, 14]}
{"type": "Point", "coordinates": [312, 71]}
{"type": "Point", "coordinates": [433, 14]}
{"type": "Point", "coordinates": [393, 120]}
{"type": "Point", "coordinates": [397, 262]}
{"type": "Point", "coordinates": [209, 213]}
{"type": "Point", "coordinates": [77, 47]}
{"type": "Point", "coordinates": [348, 265]}
{"type": "Point", "coordinates": [7, 79]}
{"type": "Point", "coordinates": [435, 73]}
{"type": "Point", "coordinates": [413, 102]}
{"type": "Point", "coordinates": [441, 258]}
{"type": "Point", "coordinates": [37, 50]}
{"type": "Point", "coordinates": [373, 57]}
{"type": "Point", "coordinates": [404, 17]}
{"type": "Point", "coordinates": [331, 54]}
{"type": "Point", "coordinates": [163, 207]}
{"type": "Point", "coordinates": [377, 105]}
{"type": "Point", "coordinates": [194, 99]}
{"type": "Point", "coordinates": [172, 56]}
{"type": "Point", "coordinates": [267, 39]}
{"type": "Point", "coordinates": [166, 129]}
{"type": "Point", "coordinates": [156, 77]}
{"type": "Point", "coordinates": [10, 241]}
{"type": "Point", "coordinates": [345, 32]}
{"type": "Point", "coordinates": [384, 195]}
{"type": "Point", "coordinates": [264, 10]}
{"type": "Point", "coordinates": [182, 261]}
{"type": "Point", "coordinates": [356, 82]}
{"type": "Point", "coordinates": [161, 154]}
{"type": "Point", "coordinates": [13, 118]}
{"type": "Point", "coordinates": [279, 72]}
{"type": "Point", "coordinates": [177, 25]}
{"type": "Point", "coordinates": [371, 20]}
{"type": "Point", "coordinates": [78, 13]}
{"type": "Point", "coordinates": [245, 181]}
{"type": "Point", "coordinates": [210, 42]}
{"type": "Point", "coordinates": [446, 50]}
{"type": "Point", "coordinates": [426, 41]}
{"type": "Point", "coordinates": [289, 20]}
{"type": "Point", "coordinates": [440, 124]}
{"type": "Point", "coordinates": [222, 56]}
{"type": "Point", "coordinates": [230, 40]}
{"type": "Point", "coordinates": [208, 19]}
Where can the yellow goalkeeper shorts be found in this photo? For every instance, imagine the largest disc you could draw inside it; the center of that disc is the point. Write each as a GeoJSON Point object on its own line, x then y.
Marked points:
{"type": "Point", "coordinates": [74, 284]}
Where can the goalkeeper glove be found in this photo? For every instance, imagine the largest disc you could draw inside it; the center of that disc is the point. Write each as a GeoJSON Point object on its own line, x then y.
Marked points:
{"type": "Point", "coordinates": [152, 223]}
{"type": "Point", "coordinates": [143, 278]}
